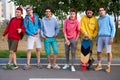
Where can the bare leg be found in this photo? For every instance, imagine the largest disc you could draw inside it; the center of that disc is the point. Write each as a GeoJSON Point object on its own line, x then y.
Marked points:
{"type": "Point", "coordinates": [28, 57]}
{"type": "Point", "coordinates": [55, 57]}
{"type": "Point", "coordinates": [38, 55]}
{"type": "Point", "coordinates": [48, 57]}
{"type": "Point", "coordinates": [10, 57]}
{"type": "Point", "coordinates": [14, 58]}
{"type": "Point", "coordinates": [109, 58]}
{"type": "Point", "coordinates": [99, 58]}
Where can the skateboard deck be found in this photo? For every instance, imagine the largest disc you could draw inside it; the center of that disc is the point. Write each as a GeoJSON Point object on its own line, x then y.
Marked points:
{"type": "Point", "coordinates": [85, 53]}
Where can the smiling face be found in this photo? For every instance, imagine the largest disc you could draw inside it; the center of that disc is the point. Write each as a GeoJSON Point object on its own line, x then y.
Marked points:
{"type": "Point", "coordinates": [102, 11]}
{"type": "Point", "coordinates": [48, 13]}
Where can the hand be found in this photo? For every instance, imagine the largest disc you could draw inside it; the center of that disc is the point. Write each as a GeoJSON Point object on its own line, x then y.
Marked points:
{"type": "Point", "coordinates": [54, 36]}
{"type": "Point", "coordinates": [76, 39]}
{"type": "Point", "coordinates": [43, 37]}
{"type": "Point", "coordinates": [35, 35]}
{"type": "Point", "coordinates": [111, 41]}
{"type": "Point", "coordinates": [3, 38]}
{"type": "Point", "coordinates": [86, 36]}
{"type": "Point", "coordinates": [38, 31]}
{"type": "Point", "coordinates": [67, 42]}
{"type": "Point", "coordinates": [19, 30]}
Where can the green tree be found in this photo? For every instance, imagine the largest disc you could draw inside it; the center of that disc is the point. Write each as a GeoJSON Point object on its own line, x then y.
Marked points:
{"type": "Point", "coordinates": [114, 8]}
{"type": "Point", "coordinates": [61, 7]}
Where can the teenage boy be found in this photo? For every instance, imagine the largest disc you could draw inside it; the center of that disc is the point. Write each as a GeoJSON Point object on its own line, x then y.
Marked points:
{"type": "Point", "coordinates": [106, 33]}
{"type": "Point", "coordinates": [32, 27]}
{"type": "Point", "coordinates": [89, 30]}
{"type": "Point", "coordinates": [49, 31]}
{"type": "Point", "coordinates": [14, 30]}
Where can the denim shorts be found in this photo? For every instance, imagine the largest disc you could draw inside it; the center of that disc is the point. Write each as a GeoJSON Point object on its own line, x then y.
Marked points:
{"type": "Point", "coordinates": [48, 43]}
{"type": "Point", "coordinates": [104, 42]}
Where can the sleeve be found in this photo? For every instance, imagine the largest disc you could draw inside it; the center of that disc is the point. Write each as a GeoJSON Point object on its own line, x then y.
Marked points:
{"type": "Point", "coordinates": [64, 30]}
{"type": "Point", "coordinates": [64, 27]}
{"type": "Point", "coordinates": [82, 27]}
{"type": "Point", "coordinates": [42, 28]}
{"type": "Point", "coordinates": [26, 25]}
{"type": "Point", "coordinates": [39, 23]}
{"type": "Point", "coordinates": [78, 29]}
{"type": "Point", "coordinates": [112, 26]}
{"type": "Point", "coordinates": [23, 28]}
{"type": "Point", "coordinates": [7, 28]}
{"type": "Point", "coordinates": [56, 28]}
{"type": "Point", "coordinates": [96, 28]}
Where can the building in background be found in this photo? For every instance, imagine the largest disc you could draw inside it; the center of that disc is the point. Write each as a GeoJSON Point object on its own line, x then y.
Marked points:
{"type": "Point", "coordinates": [1, 13]}
{"type": "Point", "coordinates": [8, 9]}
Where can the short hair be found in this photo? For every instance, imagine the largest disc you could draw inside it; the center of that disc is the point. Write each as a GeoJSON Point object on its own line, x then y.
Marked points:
{"type": "Point", "coordinates": [19, 8]}
{"type": "Point", "coordinates": [73, 10]}
{"type": "Point", "coordinates": [103, 7]}
{"type": "Point", "coordinates": [90, 9]}
{"type": "Point", "coordinates": [29, 7]}
{"type": "Point", "coordinates": [48, 8]}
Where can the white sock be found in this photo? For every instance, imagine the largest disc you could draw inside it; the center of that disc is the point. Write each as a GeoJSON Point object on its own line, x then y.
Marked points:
{"type": "Point", "coordinates": [109, 63]}
{"type": "Point", "coordinates": [99, 63]}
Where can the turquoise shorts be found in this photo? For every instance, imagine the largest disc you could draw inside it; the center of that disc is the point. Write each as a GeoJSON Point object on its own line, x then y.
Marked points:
{"type": "Point", "coordinates": [48, 42]}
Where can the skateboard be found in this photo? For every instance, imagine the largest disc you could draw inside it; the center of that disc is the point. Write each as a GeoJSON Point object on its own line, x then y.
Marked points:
{"type": "Point", "coordinates": [85, 53]}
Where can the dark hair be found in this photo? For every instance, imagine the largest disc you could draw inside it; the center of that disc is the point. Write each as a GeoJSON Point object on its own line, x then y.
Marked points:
{"type": "Point", "coordinates": [48, 8]}
{"type": "Point", "coordinates": [90, 9]}
{"type": "Point", "coordinates": [103, 7]}
{"type": "Point", "coordinates": [73, 10]}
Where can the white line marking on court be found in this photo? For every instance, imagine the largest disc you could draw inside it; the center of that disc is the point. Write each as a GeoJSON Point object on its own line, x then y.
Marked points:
{"type": "Point", "coordinates": [50, 79]}
{"type": "Point", "coordinates": [63, 64]}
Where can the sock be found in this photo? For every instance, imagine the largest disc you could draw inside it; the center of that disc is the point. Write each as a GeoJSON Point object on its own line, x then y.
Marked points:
{"type": "Point", "coordinates": [109, 63]}
{"type": "Point", "coordinates": [99, 62]}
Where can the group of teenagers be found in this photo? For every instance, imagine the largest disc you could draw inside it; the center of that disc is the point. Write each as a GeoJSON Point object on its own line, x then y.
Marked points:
{"type": "Point", "coordinates": [101, 29]}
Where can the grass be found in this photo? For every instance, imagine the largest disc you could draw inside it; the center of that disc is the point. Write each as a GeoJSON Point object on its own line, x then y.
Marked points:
{"type": "Point", "coordinates": [22, 50]}
{"type": "Point", "coordinates": [20, 54]}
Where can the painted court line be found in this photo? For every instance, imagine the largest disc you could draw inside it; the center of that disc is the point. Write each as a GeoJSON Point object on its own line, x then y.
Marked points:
{"type": "Point", "coordinates": [51, 79]}
{"type": "Point", "coordinates": [63, 64]}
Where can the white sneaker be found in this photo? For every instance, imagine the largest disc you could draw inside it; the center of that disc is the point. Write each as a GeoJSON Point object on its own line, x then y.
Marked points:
{"type": "Point", "coordinates": [49, 66]}
{"type": "Point", "coordinates": [65, 66]}
{"type": "Point", "coordinates": [73, 69]}
{"type": "Point", "coordinates": [55, 66]}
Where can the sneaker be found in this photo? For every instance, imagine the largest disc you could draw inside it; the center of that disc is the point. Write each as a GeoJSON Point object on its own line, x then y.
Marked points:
{"type": "Point", "coordinates": [13, 67]}
{"type": "Point", "coordinates": [39, 66]}
{"type": "Point", "coordinates": [55, 66]}
{"type": "Point", "coordinates": [97, 67]}
{"type": "Point", "coordinates": [65, 66]}
{"type": "Point", "coordinates": [107, 69]}
{"type": "Point", "coordinates": [90, 62]}
{"type": "Point", "coordinates": [49, 66]}
{"type": "Point", "coordinates": [73, 69]}
{"type": "Point", "coordinates": [7, 66]}
{"type": "Point", "coordinates": [27, 67]}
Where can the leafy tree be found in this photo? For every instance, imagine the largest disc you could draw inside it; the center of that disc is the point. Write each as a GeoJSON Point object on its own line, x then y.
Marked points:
{"type": "Point", "coordinates": [114, 8]}
{"type": "Point", "coordinates": [61, 7]}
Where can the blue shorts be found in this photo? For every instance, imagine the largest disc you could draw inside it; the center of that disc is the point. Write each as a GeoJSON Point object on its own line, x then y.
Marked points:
{"type": "Point", "coordinates": [48, 42]}
{"type": "Point", "coordinates": [104, 42]}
